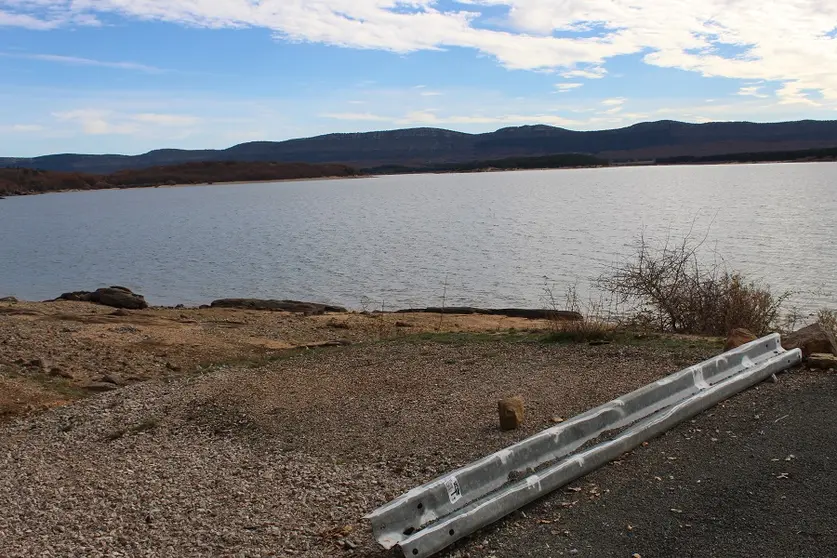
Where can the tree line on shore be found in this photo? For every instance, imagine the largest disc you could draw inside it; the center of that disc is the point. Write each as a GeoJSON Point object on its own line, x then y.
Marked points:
{"type": "Point", "coordinates": [21, 180]}
{"type": "Point", "coordinates": [16, 181]}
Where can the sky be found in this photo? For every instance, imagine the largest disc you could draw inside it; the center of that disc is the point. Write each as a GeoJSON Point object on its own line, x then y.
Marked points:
{"type": "Point", "coordinates": [128, 76]}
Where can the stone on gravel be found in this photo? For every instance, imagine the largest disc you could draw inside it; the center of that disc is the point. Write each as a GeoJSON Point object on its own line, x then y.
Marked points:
{"type": "Point", "coordinates": [111, 379]}
{"type": "Point", "coordinates": [511, 413]}
{"type": "Point", "coordinates": [739, 337]}
{"type": "Point", "coordinates": [100, 387]}
{"type": "Point", "coordinates": [41, 363]}
{"type": "Point", "coordinates": [812, 339]}
{"type": "Point", "coordinates": [822, 361]}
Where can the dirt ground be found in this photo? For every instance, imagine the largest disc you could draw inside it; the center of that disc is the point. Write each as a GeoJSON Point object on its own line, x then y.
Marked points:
{"type": "Point", "coordinates": [55, 352]}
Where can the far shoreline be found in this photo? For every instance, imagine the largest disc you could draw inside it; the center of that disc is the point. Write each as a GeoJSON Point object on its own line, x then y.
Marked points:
{"type": "Point", "coordinates": [416, 173]}
{"type": "Point", "coordinates": [185, 185]}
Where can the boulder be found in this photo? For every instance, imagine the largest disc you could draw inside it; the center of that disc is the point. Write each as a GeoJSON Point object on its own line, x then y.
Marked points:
{"type": "Point", "coordinates": [8, 299]}
{"type": "Point", "coordinates": [116, 297]}
{"type": "Point", "coordinates": [812, 339]}
{"type": "Point", "coordinates": [119, 297]}
{"type": "Point", "coordinates": [738, 337]}
{"type": "Point", "coordinates": [511, 413]}
{"type": "Point", "coordinates": [822, 361]}
{"type": "Point", "coordinates": [276, 305]}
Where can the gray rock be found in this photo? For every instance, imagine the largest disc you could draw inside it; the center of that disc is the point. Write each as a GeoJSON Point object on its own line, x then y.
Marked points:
{"type": "Point", "coordinates": [119, 297]}
{"type": "Point", "coordinates": [111, 379]}
{"type": "Point", "coordinates": [116, 297]}
{"type": "Point", "coordinates": [76, 296]}
{"type": "Point", "coordinates": [100, 387]}
{"type": "Point", "coordinates": [8, 299]}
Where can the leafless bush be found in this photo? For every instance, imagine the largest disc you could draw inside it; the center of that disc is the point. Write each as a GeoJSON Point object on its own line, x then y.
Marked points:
{"type": "Point", "coordinates": [828, 320]}
{"type": "Point", "coordinates": [596, 324]}
{"type": "Point", "coordinates": [668, 288]}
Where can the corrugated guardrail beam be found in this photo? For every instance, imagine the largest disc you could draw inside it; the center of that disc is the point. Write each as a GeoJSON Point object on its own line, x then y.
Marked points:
{"type": "Point", "coordinates": [433, 516]}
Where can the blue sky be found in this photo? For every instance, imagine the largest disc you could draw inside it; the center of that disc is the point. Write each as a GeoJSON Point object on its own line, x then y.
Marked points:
{"type": "Point", "coordinates": [128, 76]}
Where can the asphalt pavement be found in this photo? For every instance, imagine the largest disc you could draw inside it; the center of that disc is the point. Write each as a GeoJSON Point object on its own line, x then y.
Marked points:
{"type": "Point", "coordinates": [753, 477]}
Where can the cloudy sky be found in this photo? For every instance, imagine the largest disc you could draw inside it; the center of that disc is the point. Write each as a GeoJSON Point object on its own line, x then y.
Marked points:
{"type": "Point", "coordinates": [128, 76]}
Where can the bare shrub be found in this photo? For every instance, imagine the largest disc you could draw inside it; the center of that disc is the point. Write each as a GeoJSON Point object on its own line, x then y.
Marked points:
{"type": "Point", "coordinates": [828, 320]}
{"type": "Point", "coordinates": [595, 326]}
{"type": "Point", "coordinates": [668, 288]}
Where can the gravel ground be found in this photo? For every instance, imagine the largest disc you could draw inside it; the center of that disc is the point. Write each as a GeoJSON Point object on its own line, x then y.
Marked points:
{"type": "Point", "coordinates": [285, 459]}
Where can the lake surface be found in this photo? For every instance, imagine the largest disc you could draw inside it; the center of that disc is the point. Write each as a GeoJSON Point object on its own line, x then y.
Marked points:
{"type": "Point", "coordinates": [490, 239]}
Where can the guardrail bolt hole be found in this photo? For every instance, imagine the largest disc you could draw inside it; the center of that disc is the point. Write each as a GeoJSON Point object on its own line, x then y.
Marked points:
{"type": "Point", "coordinates": [451, 532]}
{"type": "Point", "coordinates": [420, 506]}
{"type": "Point", "coordinates": [415, 551]}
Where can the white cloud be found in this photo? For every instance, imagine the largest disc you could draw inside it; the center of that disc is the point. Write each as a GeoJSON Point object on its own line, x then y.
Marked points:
{"type": "Point", "coordinates": [43, 15]}
{"type": "Point", "coordinates": [21, 129]}
{"type": "Point", "coordinates": [166, 119]}
{"type": "Point", "coordinates": [26, 128]}
{"type": "Point", "coordinates": [8, 19]}
{"type": "Point", "coordinates": [431, 118]}
{"type": "Point", "coordinates": [795, 93]}
{"type": "Point", "coordinates": [786, 42]}
{"type": "Point", "coordinates": [595, 72]}
{"type": "Point", "coordinates": [100, 122]}
{"type": "Point", "coordinates": [77, 61]}
{"type": "Point", "coordinates": [615, 102]}
{"type": "Point", "coordinates": [752, 91]}
{"type": "Point", "coordinates": [355, 116]}
{"type": "Point", "coordinates": [565, 87]}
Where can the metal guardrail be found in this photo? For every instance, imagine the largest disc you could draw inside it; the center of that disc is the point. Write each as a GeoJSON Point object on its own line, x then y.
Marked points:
{"type": "Point", "coordinates": [433, 516]}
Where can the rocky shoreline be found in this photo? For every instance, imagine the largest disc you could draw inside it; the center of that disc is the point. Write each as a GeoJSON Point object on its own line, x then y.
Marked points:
{"type": "Point", "coordinates": [124, 298]}
{"type": "Point", "coordinates": [85, 342]}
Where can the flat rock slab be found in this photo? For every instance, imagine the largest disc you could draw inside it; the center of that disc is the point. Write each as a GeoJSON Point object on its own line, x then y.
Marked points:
{"type": "Point", "coordinates": [528, 313]}
{"type": "Point", "coordinates": [822, 361]}
{"type": "Point", "coordinates": [116, 297]}
{"type": "Point", "coordinates": [311, 308]}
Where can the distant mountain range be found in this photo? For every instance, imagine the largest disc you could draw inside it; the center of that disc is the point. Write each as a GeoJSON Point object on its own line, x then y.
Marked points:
{"type": "Point", "coordinates": [420, 147]}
